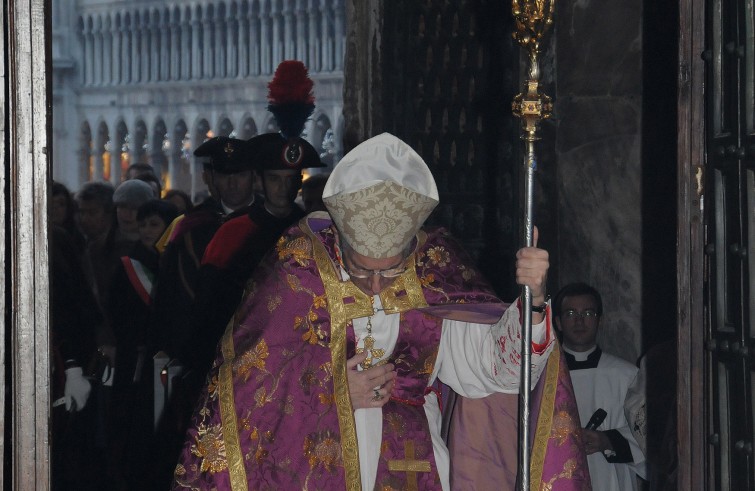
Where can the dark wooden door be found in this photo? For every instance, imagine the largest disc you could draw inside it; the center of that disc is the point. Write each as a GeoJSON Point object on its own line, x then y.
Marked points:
{"type": "Point", "coordinates": [730, 238]}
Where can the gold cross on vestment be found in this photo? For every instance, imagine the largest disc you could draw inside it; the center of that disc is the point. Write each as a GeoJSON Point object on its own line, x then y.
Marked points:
{"type": "Point", "coordinates": [409, 465]}
{"type": "Point", "coordinates": [373, 353]}
{"type": "Point", "coordinates": [369, 345]}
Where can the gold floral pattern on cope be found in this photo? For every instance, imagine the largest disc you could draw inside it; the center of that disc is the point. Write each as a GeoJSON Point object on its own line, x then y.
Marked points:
{"type": "Point", "coordinates": [323, 449]}
{"type": "Point", "coordinates": [563, 427]}
{"type": "Point", "coordinates": [327, 399]}
{"type": "Point", "coordinates": [299, 249]}
{"type": "Point", "coordinates": [252, 358]}
{"type": "Point", "coordinates": [467, 273]}
{"type": "Point", "coordinates": [439, 256]}
{"type": "Point", "coordinates": [568, 471]}
{"type": "Point", "coordinates": [273, 302]}
{"type": "Point", "coordinates": [428, 364]}
{"type": "Point", "coordinates": [308, 380]}
{"type": "Point", "coordinates": [210, 447]}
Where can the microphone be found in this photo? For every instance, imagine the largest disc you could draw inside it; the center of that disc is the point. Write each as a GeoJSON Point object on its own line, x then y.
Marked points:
{"type": "Point", "coordinates": [596, 419]}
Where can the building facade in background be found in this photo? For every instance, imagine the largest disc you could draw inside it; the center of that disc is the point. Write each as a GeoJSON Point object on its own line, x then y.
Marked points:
{"type": "Point", "coordinates": [148, 81]}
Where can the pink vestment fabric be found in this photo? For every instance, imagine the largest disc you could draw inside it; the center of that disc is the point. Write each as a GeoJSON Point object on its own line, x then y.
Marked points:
{"type": "Point", "coordinates": [482, 439]}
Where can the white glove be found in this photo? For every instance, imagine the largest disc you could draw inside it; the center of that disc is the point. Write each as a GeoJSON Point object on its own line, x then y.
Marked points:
{"type": "Point", "coordinates": [77, 389]}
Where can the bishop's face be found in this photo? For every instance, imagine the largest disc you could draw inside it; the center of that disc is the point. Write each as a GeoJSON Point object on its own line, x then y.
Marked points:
{"type": "Point", "coordinates": [579, 322]}
{"type": "Point", "coordinates": [372, 275]}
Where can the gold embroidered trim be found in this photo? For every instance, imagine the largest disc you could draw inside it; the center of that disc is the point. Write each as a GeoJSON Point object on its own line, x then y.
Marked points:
{"type": "Point", "coordinates": [545, 418]}
{"type": "Point", "coordinates": [412, 466]}
{"type": "Point", "coordinates": [236, 470]}
{"type": "Point", "coordinates": [346, 302]}
{"type": "Point", "coordinates": [408, 282]}
{"type": "Point", "coordinates": [336, 291]}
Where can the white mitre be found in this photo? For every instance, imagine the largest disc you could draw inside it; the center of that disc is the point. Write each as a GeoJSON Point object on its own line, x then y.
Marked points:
{"type": "Point", "coordinates": [379, 195]}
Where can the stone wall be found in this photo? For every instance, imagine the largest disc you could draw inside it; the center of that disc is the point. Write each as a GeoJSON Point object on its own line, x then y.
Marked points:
{"type": "Point", "coordinates": [598, 147]}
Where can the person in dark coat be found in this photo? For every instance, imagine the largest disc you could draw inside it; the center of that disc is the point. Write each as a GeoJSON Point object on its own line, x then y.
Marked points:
{"type": "Point", "coordinates": [74, 319]}
{"type": "Point", "coordinates": [230, 179]}
{"type": "Point", "coordinates": [229, 175]}
{"type": "Point", "coordinates": [240, 243]}
{"type": "Point", "coordinates": [130, 303]}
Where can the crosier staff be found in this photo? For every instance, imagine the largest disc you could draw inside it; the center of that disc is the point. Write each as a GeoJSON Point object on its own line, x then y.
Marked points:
{"type": "Point", "coordinates": [532, 19]}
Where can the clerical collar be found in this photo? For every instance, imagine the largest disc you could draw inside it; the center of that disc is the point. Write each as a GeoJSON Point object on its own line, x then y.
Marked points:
{"type": "Point", "coordinates": [580, 360]}
{"type": "Point", "coordinates": [580, 355]}
{"type": "Point", "coordinates": [228, 211]}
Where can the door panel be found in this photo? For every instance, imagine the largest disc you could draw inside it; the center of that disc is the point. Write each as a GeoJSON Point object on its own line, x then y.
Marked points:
{"type": "Point", "coordinates": [730, 226]}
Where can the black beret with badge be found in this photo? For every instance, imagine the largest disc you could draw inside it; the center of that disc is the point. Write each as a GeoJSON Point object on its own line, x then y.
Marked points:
{"type": "Point", "coordinates": [291, 102]}
{"type": "Point", "coordinates": [226, 155]}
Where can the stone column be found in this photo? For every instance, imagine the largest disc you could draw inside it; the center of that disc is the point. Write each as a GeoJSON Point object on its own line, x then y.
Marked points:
{"type": "Point", "coordinates": [339, 29]}
{"type": "Point", "coordinates": [254, 43]}
{"type": "Point", "coordinates": [155, 50]}
{"type": "Point", "coordinates": [107, 58]}
{"type": "Point", "coordinates": [301, 32]}
{"type": "Point", "coordinates": [178, 56]}
{"type": "Point", "coordinates": [208, 60]}
{"type": "Point", "coordinates": [97, 55]}
{"type": "Point", "coordinates": [116, 53]}
{"type": "Point", "coordinates": [125, 54]}
{"type": "Point", "coordinates": [289, 46]}
{"type": "Point", "coordinates": [244, 48]}
{"type": "Point", "coordinates": [325, 37]}
{"type": "Point", "coordinates": [186, 55]}
{"type": "Point", "coordinates": [196, 52]}
{"type": "Point", "coordinates": [134, 57]}
{"type": "Point", "coordinates": [221, 36]}
{"type": "Point", "coordinates": [314, 37]}
{"type": "Point", "coordinates": [145, 53]}
{"type": "Point", "coordinates": [164, 29]}
{"type": "Point", "coordinates": [232, 42]}
{"type": "Point", "coordinates": [277, 37]}
{"type": "Point", "coordinates": [265, 41]}
{"type": "Point", "coordinates": [86, 69]}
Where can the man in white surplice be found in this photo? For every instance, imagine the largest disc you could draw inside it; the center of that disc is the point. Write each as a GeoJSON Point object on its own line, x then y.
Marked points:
{"type": "Point", "coordinates": [600, 381]}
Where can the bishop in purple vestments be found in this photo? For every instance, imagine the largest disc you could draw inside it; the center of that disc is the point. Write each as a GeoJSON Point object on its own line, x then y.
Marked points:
{"type": "Point", "coordinates": [323, 377]}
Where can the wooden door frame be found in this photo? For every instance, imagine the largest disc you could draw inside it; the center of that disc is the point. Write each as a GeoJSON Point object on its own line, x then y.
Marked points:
{"type": "Point", "coordinates": [691, 441]}
{"type": "Point", "coordinates": [25, 133]}
{"type": "Point", "coordinates": [23, 213]}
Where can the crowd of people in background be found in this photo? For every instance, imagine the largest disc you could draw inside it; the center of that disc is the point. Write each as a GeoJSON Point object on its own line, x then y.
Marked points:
{"type": "Point", "coordinates": [109, 320]}
{"type": "Point", "coordinates": [144, 282]}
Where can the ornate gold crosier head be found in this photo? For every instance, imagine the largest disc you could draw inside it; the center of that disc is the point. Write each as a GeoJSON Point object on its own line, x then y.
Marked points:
{"type": "Point", "coordinates": [532, 20]}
